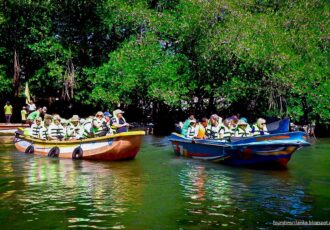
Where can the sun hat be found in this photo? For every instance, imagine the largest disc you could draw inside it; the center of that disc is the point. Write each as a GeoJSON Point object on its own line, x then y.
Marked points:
{"type": "Point", "coordinates": [117, 111]}
{"type": "Point", "coordinates": [75, 118]}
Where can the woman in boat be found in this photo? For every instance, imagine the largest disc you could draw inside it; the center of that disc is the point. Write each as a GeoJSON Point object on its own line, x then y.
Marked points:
{"type": "Point", "coordinates": [192, 131]}
{"type": "Point", "coordinates": [226, 130]}
{"type": "Point", "coordinates": [118, 121]}
{"type": "Point", "coordinates": [35, 128]}
{"type": "Point", "coordinates": [243, 128]}
{"type": "Point", "coordinates": [260, 128]}
{"type": "Point", "coordinates": [56, 130]}
{"type": "Point", "coordinates": [99, 125]}
{"type": "Point", "coordinates": [213, 128]}
{"type": "Point", "coordinates": [43, 134]}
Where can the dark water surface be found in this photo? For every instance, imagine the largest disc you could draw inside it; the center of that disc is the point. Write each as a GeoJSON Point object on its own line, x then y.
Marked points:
{"type": "Point", "coordinates": [159, 190]}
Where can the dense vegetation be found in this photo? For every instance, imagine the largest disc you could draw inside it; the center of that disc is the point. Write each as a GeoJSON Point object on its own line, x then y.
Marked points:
{"type": "Point", "coordinates": [265, 57]}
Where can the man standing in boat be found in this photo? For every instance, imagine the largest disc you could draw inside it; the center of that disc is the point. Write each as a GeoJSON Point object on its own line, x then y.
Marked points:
{"type": "Point", "coordinates": [119, 122]}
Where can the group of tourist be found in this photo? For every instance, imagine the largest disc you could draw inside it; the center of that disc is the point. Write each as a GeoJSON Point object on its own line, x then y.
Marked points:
{"type": "Point", "coordinates": [53, 127]}
{"type": "Point", "coordinates": [217, 128]}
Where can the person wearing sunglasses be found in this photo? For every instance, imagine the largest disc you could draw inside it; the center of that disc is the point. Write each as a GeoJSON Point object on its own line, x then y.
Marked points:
{"type": "Point", "coordinates": [259, 128]}
{"type": "Point", "coordinates": [100, 127]}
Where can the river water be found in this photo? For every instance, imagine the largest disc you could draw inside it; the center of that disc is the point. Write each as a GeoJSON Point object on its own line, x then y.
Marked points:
{"type": "Point", "coordinates": [159, 190]}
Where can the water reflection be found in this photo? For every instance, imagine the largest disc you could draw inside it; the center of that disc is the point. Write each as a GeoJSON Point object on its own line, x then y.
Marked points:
{"type": "Point", "coordinates": [80, 193]}
{"type": "Point", "coordinates": [216, 196]}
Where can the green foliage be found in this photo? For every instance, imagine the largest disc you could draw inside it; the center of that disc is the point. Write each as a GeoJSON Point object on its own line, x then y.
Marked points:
{"type": "Point", "coordinates": [258, 57]}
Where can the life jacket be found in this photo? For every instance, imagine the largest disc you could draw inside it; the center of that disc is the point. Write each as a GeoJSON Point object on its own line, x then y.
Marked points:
{"type": "Point", "coordinates": [35, 129]}
{"type": "Point", "coordinates": [87, 129]}
{"type": "Point", "coordinates": [227, 132]}
{"type": "Point", "coordinates": [191, 131]}
{"type": "Point", "coordinates": [115, 120]}
{"type": "Point", "coordinates": [256, 131]}
{"type": "Point", "coordinates": [56, 131]}
{"type": "Point", "coordinates": [201, 131]}
{"type": "Point", "coordinates": [102, 128]}
{"type": "Point", "coordinates": [213, 132]}
{"type": "Point", "coordinates": [243, 132]}
{"type": "Point", "coordinates": [74, 131]}
{"type": "Point", "coordinates": [43, 134]}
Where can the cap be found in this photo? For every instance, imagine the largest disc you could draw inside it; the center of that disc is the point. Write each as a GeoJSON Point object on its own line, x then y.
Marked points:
{"type": "Point", "coordinates": [75, 118]}
{"type": "Point", "coordinates": [117, 111]}
{"type": "Point", "coordinates": [242, 122]}
{"type": "Point", "coordinates": [107, 114]}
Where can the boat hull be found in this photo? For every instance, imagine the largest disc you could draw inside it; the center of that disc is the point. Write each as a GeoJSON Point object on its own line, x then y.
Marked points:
{"type": "Point", "coordinates": [121, 146]}
{"type": "Point", "coordinates": [275, 149]}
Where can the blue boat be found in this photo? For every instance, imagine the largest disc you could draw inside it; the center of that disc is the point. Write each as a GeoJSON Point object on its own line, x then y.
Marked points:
{"type": "Point", "coordinates": [273, 149]}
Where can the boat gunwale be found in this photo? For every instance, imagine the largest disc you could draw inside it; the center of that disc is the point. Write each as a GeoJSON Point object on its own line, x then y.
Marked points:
{"type": "Point", "coordinates": [233, 144]}
{"type": "Point", "coordinates": [87, 140]}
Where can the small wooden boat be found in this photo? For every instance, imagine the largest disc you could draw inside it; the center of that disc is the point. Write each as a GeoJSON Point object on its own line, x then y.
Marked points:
{"type": "Point", "coordinates": [122, 146]}
{"type": "Point", "coordinates": [7, 132]}
{"type": "Point", "coordinates": [274, 149]}
{"type": "Point", "coordinates": [10, 129]}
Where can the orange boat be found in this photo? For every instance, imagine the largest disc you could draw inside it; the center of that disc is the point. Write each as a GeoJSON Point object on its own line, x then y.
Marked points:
{"type": "Point", "coordinates": [122, 146]}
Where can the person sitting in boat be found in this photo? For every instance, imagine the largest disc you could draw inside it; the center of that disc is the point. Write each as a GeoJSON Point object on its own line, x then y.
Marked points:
{"type": "Point", "coordinates": [34, 115]}
{"type": "Point", "coordinates": [192, 131]}
{"type": "Point", "coordinates": [56, 130]}
{"type": "Point", "coordinates": [243, 128]}
{"type": "Point", "coordinates": [226, 130]}
{"type": "Point", "coordinates": [186, 124]}
{"type": "Point", "coordinates": [107, 117]}
{"type": "Point", "coordinates": [118, 121]}
{"type": "Point", "coordinates": [202, 128]}
{"type": "Point", "coordinates": [74, 129]}
{"type": "Point", "coordinates": [259, 128]}
{"type": "Point", "coordinates": [87, 128]}
{"type": "Point", "coordinates": [213, 128]}
{"type": "Point", "coordinates": [35, 128]}
{"type": "Point", "coordinates": [99, 125]}
{"type": "Point", "coordinates": [43, 134]}
{"type": "Point", "coordinates": [65, 123]}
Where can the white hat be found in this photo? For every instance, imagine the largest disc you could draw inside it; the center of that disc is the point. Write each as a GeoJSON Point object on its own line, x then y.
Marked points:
{"type": "Point", "coordinates": [117, 111]}
{"type": "Point", "coordinates": [192, 120]}
{"type": "Point", "coordinates": [75, 118]}
{"type": "Point", "coordinates": [44, 109]}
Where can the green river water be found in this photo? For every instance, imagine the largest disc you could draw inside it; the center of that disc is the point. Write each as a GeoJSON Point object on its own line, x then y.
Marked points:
{"type": "Point", "coordinates": [159, 190]}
